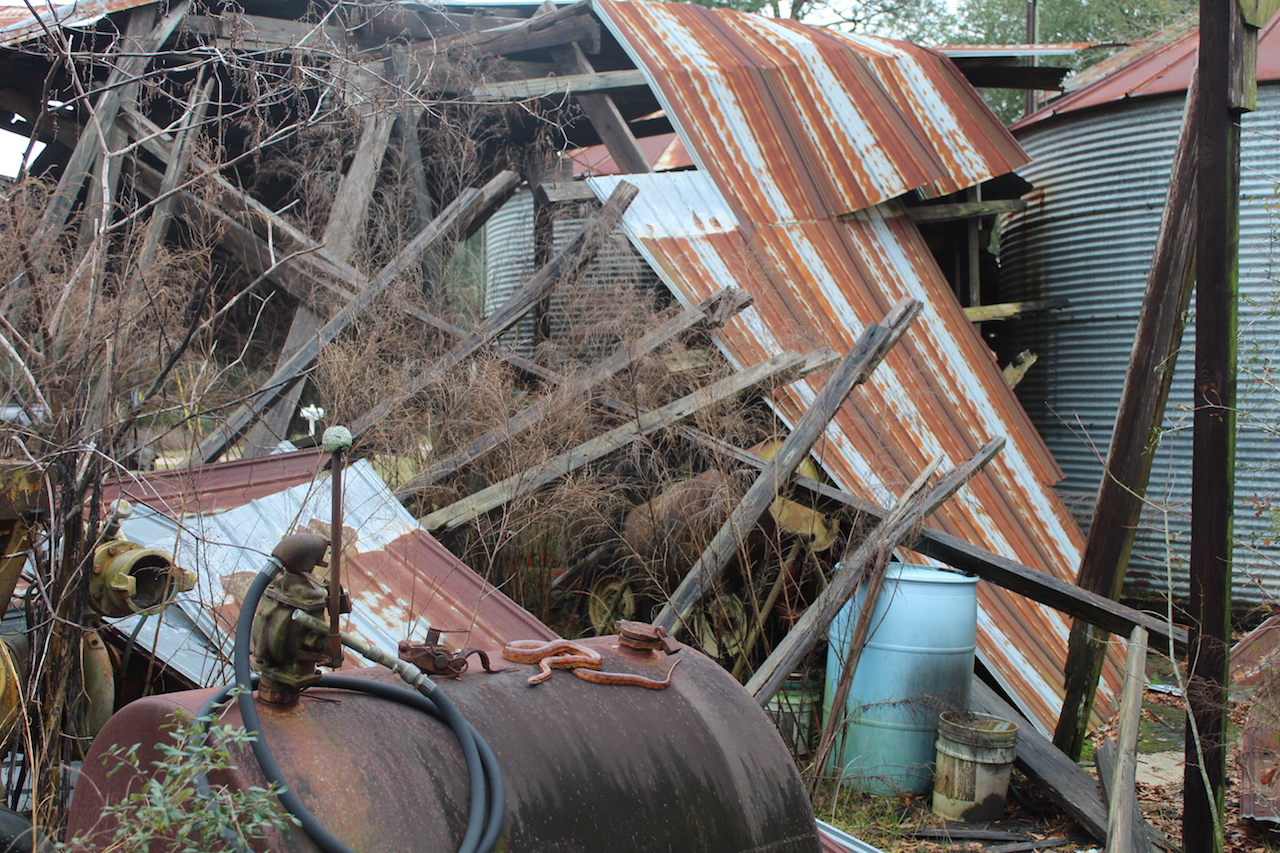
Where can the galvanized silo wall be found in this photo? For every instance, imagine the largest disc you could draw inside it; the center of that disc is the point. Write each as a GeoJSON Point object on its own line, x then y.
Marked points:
{"type": "Point", "coordinates": [574, 312]}
{"type": "Point", "coordinates": [1104, 173]}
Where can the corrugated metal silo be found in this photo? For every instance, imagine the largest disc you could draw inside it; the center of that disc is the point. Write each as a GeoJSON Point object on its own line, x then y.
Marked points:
{"type": "Point", "coordinates": [1103, 172]}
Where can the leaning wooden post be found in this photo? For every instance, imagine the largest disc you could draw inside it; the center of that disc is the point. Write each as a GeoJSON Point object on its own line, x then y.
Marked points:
{"type": "Point", "coordinates": [897, 525]}
{"type": "Point", "coordinates": [870, 349]}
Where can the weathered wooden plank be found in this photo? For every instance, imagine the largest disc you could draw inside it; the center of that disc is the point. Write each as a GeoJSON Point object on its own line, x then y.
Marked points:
{"type": "Point", "coordinates": [568, 24]}
{"type": "Point", "coordinates": [953, 551]}
{"type": "Point", "coordinates": [1009, 310]}
{"type": "Point", "coordinates": [565, 265]}
{"type": "Point", "coordinates": [88, 147]}
{"type": "Point", "coordinates": [894, 527]}
{"type": "Point", "coordinates": [346, 220]}
{"type": "Point", "coordinates": [568, 83]}
{"type": "Point", "coordinates": [965, 210]}
{"type": "Point", "coordinates": [782, 368]}
{"type": "Point", "coordinates": [1016, 370]}
{"type": "Point", "coordinates": [1064, 781]}
{"type": "Point", "coordinates": [867, 353]}
{"type": "Point", "coordinates": [469, 205]}
{"type": "Point", "coordinates": [1139, 418]}
{"type": "Point", "coordinates": [248, 32]}
{"type": "Point", "coordinates": [1125, 825]}
{"type": "Point", "coordinates": [573, 389]}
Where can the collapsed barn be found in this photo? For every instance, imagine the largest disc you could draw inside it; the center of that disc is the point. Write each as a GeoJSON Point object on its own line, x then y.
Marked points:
{"type": "Point", "coordinates": [247, 222]}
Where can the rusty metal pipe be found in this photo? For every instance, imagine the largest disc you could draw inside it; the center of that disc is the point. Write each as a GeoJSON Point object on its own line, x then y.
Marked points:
{"type": "Point", "coordinates": [336, 440]}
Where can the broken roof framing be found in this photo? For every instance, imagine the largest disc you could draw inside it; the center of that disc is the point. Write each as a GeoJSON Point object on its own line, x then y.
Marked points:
{"type": "Point", "coordinates": [804, 139]}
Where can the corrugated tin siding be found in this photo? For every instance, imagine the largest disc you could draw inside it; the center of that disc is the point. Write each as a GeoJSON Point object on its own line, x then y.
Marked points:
{"type": "Point", "coordinates": [1104, 174]}
{"type": "Point", "coordinates": [938, 393]}
{"type": "Point", "coordinates": [400, 579]}
{"type": "Point", "coordinates": [796, 122]}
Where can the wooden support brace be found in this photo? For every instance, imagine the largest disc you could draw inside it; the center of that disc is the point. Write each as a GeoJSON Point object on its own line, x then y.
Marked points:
{"type": "Point", "coordinates": [782, 368]}
{"type": "Point", "coordinates": [469, 205]}
{"type": "Point", "coordinates": [893, 529]}
{"type": "Point", "coordinates": [867, 353]}
{"type": "Point", "coordinates": [575, 388]}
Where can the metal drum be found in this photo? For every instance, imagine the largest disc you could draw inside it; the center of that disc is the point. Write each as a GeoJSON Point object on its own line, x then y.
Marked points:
{"type": "Point", "coordinates": [587, 767]}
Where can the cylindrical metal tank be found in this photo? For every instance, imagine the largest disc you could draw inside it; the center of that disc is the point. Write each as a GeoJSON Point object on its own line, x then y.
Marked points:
{"type": "Point", "coordinates": [918, 662]}
{"type": "Point", "coordinates": [587, 767]}
{"type": "Point", "coordinates": [587, 310]}
{"type": "Point", "coordinates": [1101, 175]}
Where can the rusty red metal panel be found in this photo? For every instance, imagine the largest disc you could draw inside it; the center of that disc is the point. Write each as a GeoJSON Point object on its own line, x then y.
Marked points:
{"type": "Point", "coordinates": [939, 392]}
{"type": "Point", "coordinates": [1158, 66]}
{"type": "Point", "coordinates": [796, 122]}
{"type": "Point", "coordinates": [18, 23]}
{"type": "Point", "coordinates": [217, 487]}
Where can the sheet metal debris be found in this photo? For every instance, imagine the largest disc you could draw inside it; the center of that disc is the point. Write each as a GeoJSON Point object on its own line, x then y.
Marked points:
{"type": "Point", "coordinates": [401, 580]}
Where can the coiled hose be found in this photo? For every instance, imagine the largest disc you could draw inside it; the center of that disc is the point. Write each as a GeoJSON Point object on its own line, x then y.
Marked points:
{"type": "Point", "coordinates": [488, 796]}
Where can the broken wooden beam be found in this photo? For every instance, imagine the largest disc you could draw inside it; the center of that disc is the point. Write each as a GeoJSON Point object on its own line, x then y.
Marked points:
{"type": "Point", "coordinates": [783, 368]}
{"type": "Point", "coordinates": [575, 387]}
{"type": "Point", "coordinates": [567, 24]}
{"type": "Point", "coordinates": [896, 525]}
{"type": "Point", "coordinates": [1010, 310]}
{"type": "Point", "coordinates": [953, 551]}
{"type": "Point", "coordinates": [576, 254]}
{"type": "Point", "coordinates": [1016, 370]}
{"type": "Point", "coordinates": [866, 354]}
{"type": "Point", "coordinates": [468, 205]}
{"type": "Point", "coordinates": [965, 210]}
{"type": "Point", "coordinates": [569, 83]}
{"type": "Point", "coordinates": [1126, 829]}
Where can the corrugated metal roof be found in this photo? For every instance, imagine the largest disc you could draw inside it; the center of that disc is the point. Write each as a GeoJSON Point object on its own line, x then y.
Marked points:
{"type": "Point", "coordinates": [401, 580]}
{"type": "Point", "coordinates": [797, 122]}
{"type": "Point", "coordinates": [938, 393]}
{"type": "Point", "coordinates": [1157, 66]}
{"type": "Point", "coordinates": [20, 23]}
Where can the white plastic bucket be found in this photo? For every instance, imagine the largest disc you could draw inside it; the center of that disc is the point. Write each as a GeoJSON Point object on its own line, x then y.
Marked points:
{"type": "Point", "coordinates": [918, 661]}
{"type": "Point", "coordinates": [975, 758]}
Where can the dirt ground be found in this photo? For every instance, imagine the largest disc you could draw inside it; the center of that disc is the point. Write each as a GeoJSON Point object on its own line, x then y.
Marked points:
{"type": "Point", "coordinates": [1032, 822]}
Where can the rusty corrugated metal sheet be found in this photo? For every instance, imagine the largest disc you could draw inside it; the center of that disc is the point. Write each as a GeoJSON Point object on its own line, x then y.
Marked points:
{"type": "Point", "coordinates": [401, 580]}
{"type": "Point", "coordinates": [1156, 66]}
{"type": "Point", "coordinates": [938, 393]}
{"type": "Point", "coordinates": [19, 23]}
{"type": "Point", "coordinates": [796, 122]}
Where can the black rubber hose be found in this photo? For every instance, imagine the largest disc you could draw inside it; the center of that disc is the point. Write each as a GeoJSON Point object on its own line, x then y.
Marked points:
{"type": "Point", "coordinates": [426, 704]}
{"type": "Point", "coordinates": [476, 833]}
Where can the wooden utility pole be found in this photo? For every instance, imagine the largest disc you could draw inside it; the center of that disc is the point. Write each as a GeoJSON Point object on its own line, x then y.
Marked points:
{"type": "Point", "coordinates": [1213, 449]}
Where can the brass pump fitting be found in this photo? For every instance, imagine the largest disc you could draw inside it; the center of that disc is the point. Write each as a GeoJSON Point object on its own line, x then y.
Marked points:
{"type": "Point", "coordinates": [129, 578]}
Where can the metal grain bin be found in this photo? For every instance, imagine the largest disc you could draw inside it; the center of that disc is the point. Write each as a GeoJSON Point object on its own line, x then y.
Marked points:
{"type": "Point", "coordinates": [584, 315]}
{"type": "Point", "coordinates": [1103, 172]}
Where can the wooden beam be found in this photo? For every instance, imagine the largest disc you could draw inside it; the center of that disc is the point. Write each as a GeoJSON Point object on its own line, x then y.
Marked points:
{"type": "Point", "coordinates": [895, 527]}
{"type": "Point", "coordinates": [1139, 420]}
{"type": "Point", "coordinates": [347, 215]}
{"type": "Point", "coordinates": [576, 387]}
{"type": "Point", "coordinates": [566, 265]}
{"type": "Point", "coordinates": [1016, 370]}
{"type": "Point", "coordinates": [1010, 310]}
{"type": "Point", "coordinates": [964, 210]}
{"type": "Point", "coordinates": [867, 353]}
{"type": "Point", "coordinates": [563, 191]}
{"type": "Point", "coordinates": [254, 32]}
{"type": "Point", "coordinates": [1064, 781]}
{"type": "Point", "coordinates": [1126, 830]}
{"type": "Point", "coordinates": [469, 205]}
{"type": "Point", "coordinates": [780, 369]}
{"type": "Point", "coordinates": [133, 61]}
{"type": "Point", "coordinates": [991, 567]}
{"type": "Point", "coordinates": [567, 24]}
{"type": "Point", "coordinates": [569, 83]}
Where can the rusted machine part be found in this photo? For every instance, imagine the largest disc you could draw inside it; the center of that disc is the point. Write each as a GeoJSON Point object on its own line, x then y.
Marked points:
{"type": "Point", "coordinates": [130, 579]}
{"type": "Point", "coordinates": [1259, 759]}
{"type": "Point", "coordinates": [697, 766]}
{"type": "Point", "coordinates": [21, 503]}
{"type": "Point", "coordinates": [643, 636]}
{"type": "Point", "coordinates": [285, 651]}
{"type": "Point", "coordinates": [814, 527]}
{"type": "Point", "coordinates": [98, 681]}
{"type": "Point", "coordinates": [434, 657]}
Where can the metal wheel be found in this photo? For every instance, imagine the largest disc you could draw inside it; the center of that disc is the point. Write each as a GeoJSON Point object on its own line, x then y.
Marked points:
{"type": "Point", "coordinates": [610, 598]}
{"type": "Point", "coordinates": [720, 625]}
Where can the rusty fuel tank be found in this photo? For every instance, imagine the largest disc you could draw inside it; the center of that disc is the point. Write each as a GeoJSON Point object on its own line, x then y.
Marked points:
{"type": "Point", "coordinates": [587, 767]}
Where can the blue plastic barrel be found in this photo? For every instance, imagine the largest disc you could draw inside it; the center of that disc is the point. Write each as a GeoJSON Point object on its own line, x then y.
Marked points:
{"type": "Point", "coordinates": [918, 662]}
